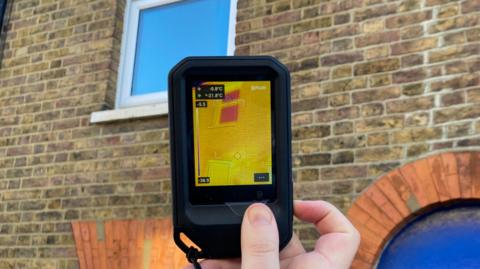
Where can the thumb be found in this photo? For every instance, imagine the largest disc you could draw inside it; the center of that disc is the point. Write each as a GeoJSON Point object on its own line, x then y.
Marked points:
{"type": "Point", "coordinates": [259, 238]}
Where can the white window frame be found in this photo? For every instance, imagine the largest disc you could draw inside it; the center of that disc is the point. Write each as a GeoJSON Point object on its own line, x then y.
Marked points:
{"type": "Point", "coordinates": [124, 99]}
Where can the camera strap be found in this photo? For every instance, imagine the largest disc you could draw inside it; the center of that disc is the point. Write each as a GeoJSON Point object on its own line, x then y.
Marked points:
{"type": "Point", "coordinates": [192, 253]}
{"type": "Point", "coordinates": [192, 257]}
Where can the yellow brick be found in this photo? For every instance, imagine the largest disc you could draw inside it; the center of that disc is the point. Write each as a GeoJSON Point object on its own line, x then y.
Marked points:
{"type": "Point", "coordinates": [373, 26]}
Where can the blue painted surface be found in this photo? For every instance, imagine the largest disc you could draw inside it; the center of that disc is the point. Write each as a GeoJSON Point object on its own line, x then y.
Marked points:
{"type": "Point", "coordinates": [447, 238]}
{"type": "Point", "coordinates": [168, 33]}
{"type": "Point", "coordinates": [3, 7]}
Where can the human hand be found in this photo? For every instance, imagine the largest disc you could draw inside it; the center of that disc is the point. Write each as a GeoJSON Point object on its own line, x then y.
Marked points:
{"type": "Point", "coordinates": [335, 248]}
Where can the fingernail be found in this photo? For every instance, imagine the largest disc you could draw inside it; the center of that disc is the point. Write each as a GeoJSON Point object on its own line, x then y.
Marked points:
{"type": "Point", "coordinates": [259, 215]}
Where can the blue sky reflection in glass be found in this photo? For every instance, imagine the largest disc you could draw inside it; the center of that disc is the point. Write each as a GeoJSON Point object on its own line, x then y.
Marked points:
{"type": "Point", "coordinates": [168, 33]}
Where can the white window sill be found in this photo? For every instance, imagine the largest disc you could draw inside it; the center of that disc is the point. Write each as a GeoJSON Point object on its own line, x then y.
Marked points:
{"type": "Point", "coordinates": [129, 113]}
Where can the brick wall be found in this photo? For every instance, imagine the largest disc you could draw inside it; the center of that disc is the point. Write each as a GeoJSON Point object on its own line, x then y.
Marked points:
{"type": "Point", "coordinates": [60, 64]}
{"type": "Point", "coordinates": [375, 85]}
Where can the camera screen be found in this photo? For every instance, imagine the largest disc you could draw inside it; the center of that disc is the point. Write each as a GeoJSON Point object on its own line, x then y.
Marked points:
{"type": "Point", "coordinates": [232, 133]}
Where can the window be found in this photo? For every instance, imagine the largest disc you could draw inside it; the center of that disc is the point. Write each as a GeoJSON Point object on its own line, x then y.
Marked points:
{"type": "Point", "coordinates": [159, 33]}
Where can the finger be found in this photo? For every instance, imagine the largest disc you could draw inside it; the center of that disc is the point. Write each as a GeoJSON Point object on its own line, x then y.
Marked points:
{"type": "Point", "coordinates": [339, 239]}
{"type": "Point", "coordinates": [326, 217]}
{"type": "Point", "coordinates": [294, 248]}
{"type": "Point", "coordinates": [218, 264]}
{"type": "Point", "coordinates": [259, 238]}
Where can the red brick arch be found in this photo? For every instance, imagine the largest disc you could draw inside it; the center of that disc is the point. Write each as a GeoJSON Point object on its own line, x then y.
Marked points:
{"type": "Point", "coordinates": [404, 192]}
{"type": "Point", "coordinates": [127, 244]}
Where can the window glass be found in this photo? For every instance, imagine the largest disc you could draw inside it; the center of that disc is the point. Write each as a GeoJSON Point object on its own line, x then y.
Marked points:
{"type": "Point", "coordinates": [170, 32]}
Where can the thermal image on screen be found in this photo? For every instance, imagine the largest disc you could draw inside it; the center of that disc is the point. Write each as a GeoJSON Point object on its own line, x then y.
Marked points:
{"type": "Point", "coordinates": [232, 133]}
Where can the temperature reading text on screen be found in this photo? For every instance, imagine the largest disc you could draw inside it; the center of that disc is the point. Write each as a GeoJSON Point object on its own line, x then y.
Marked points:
{"type": "Point", "coordinates": [210, 92]}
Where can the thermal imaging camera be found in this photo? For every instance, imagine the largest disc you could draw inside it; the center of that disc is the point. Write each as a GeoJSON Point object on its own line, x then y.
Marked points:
{"type": "Point", "coordinates": [230, 147]}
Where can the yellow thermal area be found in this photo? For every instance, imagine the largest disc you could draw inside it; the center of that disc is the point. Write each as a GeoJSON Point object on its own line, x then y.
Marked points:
{"type": "Point", "coordinates": [232, 136]}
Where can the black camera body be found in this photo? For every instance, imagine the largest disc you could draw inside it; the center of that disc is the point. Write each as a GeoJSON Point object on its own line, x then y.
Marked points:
{"type": "Point", "coordinates": [207, 207]}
